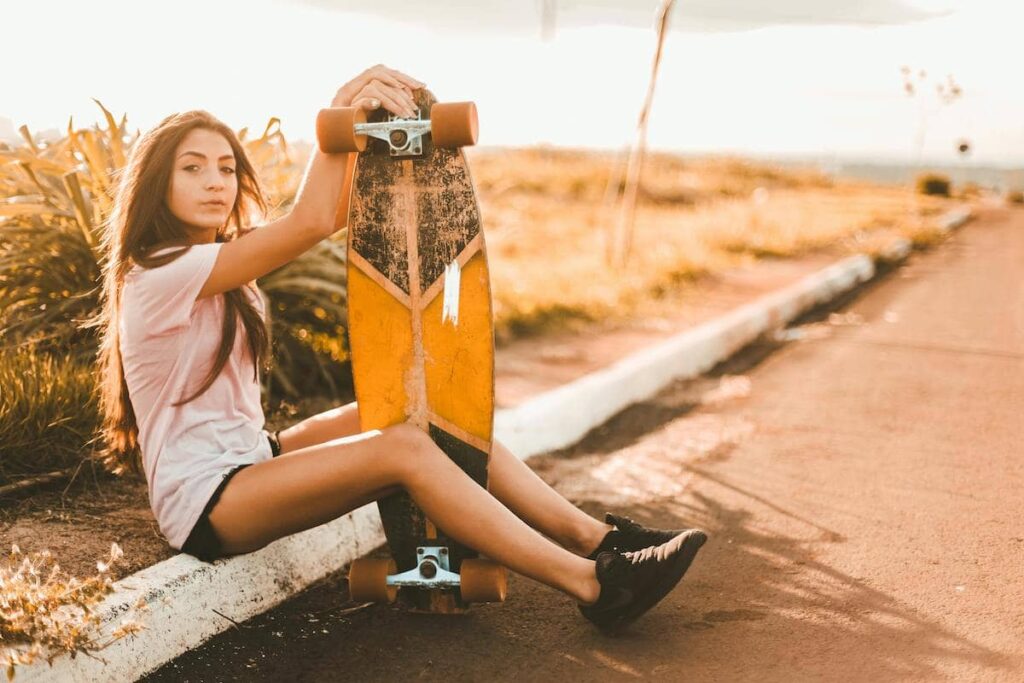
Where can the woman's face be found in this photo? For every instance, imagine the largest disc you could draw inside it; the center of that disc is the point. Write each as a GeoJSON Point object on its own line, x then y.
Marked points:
{"type": "Point", "coordinates": [203, 185]}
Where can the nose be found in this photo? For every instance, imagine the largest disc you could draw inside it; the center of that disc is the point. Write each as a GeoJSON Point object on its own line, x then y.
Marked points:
{"type": "Point", "coordinates": [214, 181]}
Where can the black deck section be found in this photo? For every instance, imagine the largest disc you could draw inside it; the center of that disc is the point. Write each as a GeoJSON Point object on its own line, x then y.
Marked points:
{"type": "Point", "coordinates": [375, 234]}
{"type": "Point", "coordinates": [447, 214]}
{"type": "Point", "coordinates": [404, 522]}
{"type": "Point", "coordinates": [377, 231]}
{"type": "Point", "coordinates": [455, 209]}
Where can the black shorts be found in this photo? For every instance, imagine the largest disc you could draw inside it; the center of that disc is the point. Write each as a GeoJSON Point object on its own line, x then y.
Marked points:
{"type": "Point", "coordinates": [202, 542]}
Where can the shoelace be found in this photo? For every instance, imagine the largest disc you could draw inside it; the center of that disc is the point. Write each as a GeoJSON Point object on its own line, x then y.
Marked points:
{"type": "Point", "coordinates": [660, 552]}
{"type": "Point", "coordinates": [625, 525]}
{"type": "Point", "coordinates": [628, 528]}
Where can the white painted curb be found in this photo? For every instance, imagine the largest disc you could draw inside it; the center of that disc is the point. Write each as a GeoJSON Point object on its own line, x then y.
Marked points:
{"type": "Point", "coordinates": [183, 593]}
{"type": "Point", "coordinates": [897, 250]}
{"type": "Point", "coordinates": [563, 416]}
{"type": "Point", "coordinates": [954, 219]}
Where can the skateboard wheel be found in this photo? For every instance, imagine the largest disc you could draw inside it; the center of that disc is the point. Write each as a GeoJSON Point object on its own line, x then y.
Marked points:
{"type": "Point", "coordinates": [367, 580]}
{"type": "Point", "coordinates": [483, 581]}
{"type": "Point", "coordinates": [453, 124]}
{"type": "Point", "coordinates": [335, 130]}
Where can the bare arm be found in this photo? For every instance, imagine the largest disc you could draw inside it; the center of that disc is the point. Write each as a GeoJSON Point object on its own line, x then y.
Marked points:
{"type": "Point", "coordinates": [317, 211]}
{"type": "Point", "coordinates": [320, 189]}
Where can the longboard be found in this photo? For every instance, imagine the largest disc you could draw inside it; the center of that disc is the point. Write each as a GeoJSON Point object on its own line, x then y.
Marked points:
{"type": "Point", "coordinates": [421, 334]}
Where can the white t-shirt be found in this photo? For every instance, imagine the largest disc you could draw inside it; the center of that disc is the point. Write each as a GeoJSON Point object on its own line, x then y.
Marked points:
{"type": "Point", "coordinates": [168, 343]}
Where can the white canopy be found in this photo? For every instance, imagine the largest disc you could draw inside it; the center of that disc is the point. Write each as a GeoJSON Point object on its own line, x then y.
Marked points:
{"type": "Point", "coordinates": [688, 15]}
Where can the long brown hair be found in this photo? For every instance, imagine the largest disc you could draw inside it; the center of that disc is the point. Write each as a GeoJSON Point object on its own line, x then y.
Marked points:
{"type": "Point", "coordinates": [140, 224]}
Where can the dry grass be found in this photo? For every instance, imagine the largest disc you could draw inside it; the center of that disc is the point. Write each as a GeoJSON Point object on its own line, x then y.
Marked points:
{"type": "Point", "coordinates": [546, 213]}
{"type": "Point", "coordinates": [41, 618]}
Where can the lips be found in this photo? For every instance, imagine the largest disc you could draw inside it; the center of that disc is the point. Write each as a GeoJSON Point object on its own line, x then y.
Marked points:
{"type": "Point", "coordinates": [215, 203]}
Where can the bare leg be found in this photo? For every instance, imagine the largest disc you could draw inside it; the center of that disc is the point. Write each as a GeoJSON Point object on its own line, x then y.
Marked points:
{"type": "Point", "coordinates": [510, 480]}
{"type": "Point", "coordinates": [329, 425]}
{"type": "Point", "coordinates": [314, 485]}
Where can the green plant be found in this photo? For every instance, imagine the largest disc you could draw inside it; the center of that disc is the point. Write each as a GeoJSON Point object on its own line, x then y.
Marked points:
{"type": "Point", "coordinates": [308, 311]}
{"type": "Point", "coordinates": [48, 410]}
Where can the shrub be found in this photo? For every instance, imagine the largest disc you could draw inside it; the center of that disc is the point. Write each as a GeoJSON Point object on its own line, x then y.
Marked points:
{"type": "Point", "coordinates": [933, 184]}
{"type": "Point", "coordinates": [1015, 197]}
{"type": "Point", "coordinates": [48, 411]}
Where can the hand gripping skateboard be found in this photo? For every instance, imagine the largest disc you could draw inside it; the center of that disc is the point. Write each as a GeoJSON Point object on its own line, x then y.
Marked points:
{"type": "Point", "coordinates": [420, 329]}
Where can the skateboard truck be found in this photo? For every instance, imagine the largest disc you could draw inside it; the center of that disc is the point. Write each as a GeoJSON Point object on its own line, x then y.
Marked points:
{"type": "Point", "coordinates": [377, 580]}
{"type": "Point", "coordinates": [404, 136]}
{"type": "Point", "coordinates": [450, 125]}
{"type": "Point", "coordinates": [432, 570]}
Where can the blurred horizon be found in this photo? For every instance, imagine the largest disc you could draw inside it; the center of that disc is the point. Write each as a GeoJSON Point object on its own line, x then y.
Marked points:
{"type": "Point", "coordinates": [798, 79]}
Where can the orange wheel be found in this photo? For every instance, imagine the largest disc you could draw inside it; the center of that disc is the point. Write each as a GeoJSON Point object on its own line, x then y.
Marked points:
{"type": "Point", "coordinates": [453, 124]}
{"type": "Point", "coordinates": [483, 581]}
{"type": "Point", "coordinates": [367, 581]}
{"type": "Point", "coordinates": [335, 130]}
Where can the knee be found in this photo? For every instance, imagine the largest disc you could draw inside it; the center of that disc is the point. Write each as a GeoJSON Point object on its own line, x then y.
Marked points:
{"type": "Point", "coordinates": [408, 448]}
{"type": "Point", "coordinates": [405, 436]}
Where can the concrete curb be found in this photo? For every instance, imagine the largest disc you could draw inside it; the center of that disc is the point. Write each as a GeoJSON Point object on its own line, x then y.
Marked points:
{"type": "Point", "coordinates": [896, 251]}
{"type": "Point", "coordinates": [952, 220]}
{"type": "Point", "coordinates": [188, 601]}
{"type": "Point", "coordinates": [182, 597]}
{"type": "Point", "coordinates": [562, 416]}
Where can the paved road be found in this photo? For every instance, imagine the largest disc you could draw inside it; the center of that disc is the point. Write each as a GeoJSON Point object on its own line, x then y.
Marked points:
{"type": "Point", "coordinates": [864, 495]}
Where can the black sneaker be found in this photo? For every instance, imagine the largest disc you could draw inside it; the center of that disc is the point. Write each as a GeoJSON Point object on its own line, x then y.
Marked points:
{"type": "Point", "coordinates": [633, 582]}
{"type": "Point", "coordinates": [629, 536]}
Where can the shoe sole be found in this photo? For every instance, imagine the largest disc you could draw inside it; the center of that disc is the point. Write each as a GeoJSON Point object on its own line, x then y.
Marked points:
{"type": "Point", "coordinates": [680, 565]}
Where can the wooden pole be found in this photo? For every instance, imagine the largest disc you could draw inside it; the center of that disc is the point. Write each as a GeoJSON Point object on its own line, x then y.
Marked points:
{"type": "Point", "coordinates": [627, 210]}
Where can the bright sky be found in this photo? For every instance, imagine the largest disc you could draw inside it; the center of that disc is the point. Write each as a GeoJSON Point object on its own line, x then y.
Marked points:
{"type": "Point", "coordinates": [798, 89]}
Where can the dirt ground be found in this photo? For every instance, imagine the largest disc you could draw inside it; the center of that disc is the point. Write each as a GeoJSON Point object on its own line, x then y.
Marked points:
{"type": "Point", "coordinates": [78, 524]}
{"type": "Point", "coordinates": [860, 484]}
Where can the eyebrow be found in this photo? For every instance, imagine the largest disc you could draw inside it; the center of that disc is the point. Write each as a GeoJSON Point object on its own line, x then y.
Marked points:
{"type": "Point", "coordinates": [203, 156]}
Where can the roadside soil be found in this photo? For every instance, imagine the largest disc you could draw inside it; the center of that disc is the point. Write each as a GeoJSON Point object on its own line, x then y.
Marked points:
{"type": "Point", "coordinates": [78, 522]}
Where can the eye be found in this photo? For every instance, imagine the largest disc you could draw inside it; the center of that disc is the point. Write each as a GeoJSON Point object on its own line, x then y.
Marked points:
{"type": "Point", "coordinates": [228, 169]}
{"type": "Point", "coordinates": [190, 167]}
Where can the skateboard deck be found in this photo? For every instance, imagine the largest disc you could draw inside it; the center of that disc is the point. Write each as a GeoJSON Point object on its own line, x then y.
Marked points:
{"type": "Point", "coordinates": [420, 326]}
